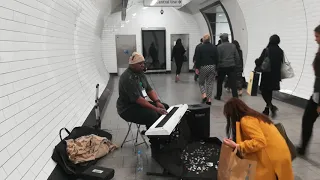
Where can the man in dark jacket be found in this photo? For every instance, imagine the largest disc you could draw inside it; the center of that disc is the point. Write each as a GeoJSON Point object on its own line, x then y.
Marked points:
{"type": "Point", "coordinates": [206, 62]}
{"type": "Point", "coordinates": [194, 59]}
{"type": "Point", "coordinates": [229, 60]}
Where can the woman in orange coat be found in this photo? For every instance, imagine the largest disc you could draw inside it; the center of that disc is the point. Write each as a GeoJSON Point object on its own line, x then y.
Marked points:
{"type": "Point", "coordinates": [256, 137]}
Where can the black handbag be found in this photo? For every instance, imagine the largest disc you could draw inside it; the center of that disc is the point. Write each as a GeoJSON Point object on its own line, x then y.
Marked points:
{"type": "Point", "coordinates": [60, 155]}
{"type": "Point", "coordinates": [291, 147]}
{"type": "Point", "coordinates": [263, 65]}
{"type": "Point", "coordinates": [185, 59]}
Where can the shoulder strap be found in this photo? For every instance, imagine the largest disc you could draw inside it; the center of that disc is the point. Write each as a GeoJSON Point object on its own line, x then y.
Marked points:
{"type": "Point", "coordinates": [62, 130]}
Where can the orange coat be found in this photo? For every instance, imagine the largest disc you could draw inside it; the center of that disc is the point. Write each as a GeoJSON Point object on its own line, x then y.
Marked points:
{"type": "Point", "coordinates": [262, 142]}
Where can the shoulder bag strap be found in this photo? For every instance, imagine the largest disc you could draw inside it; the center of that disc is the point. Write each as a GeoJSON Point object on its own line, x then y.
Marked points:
{"type": "Point", "coordinates": [62, 130]}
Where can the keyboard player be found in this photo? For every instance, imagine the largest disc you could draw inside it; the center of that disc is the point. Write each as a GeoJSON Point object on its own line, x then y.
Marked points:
{"type": "Point", "coordinates": [132, 105]}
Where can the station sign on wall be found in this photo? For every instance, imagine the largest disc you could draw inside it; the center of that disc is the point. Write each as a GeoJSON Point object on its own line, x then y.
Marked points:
{"type": "Point", "coordinates": [162, 3]}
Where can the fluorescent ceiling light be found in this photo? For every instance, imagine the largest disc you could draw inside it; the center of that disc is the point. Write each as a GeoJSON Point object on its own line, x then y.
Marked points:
{"type": "Point", "coordinates": [127, 21]}
{"type": "Point", "coordinates": [220, 14]}
{"type": "Point", "coordinates": [153, 2]}
{"type": "Point", "coordinates": [145, 8]}
{"type": "Point", "coordinates": [134, 14]}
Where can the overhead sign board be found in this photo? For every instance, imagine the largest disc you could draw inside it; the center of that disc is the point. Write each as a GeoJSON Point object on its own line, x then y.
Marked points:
{"type": "Point", "coordinates": [162, 3]}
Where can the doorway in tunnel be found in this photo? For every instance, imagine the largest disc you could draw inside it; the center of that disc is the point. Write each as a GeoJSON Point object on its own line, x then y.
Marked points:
{"type": "Point", "coordinates": [218, 21]}
{"type": "Point", "coordinates": [185, 42]}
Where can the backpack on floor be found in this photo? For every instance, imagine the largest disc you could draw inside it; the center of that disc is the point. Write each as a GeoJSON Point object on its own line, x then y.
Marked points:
{"type": "Point", "coordinates": [60, 155]}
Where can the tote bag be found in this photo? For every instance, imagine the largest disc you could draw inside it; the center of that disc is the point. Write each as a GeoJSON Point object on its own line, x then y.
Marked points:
{"type": "Point", "coordinates": [286, 69]}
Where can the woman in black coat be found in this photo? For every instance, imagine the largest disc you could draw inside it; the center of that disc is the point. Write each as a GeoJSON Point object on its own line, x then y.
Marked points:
{"type": "Point", "coordinates": [178, 55]}
{"type": "Point", "coordinates": [270, 81]}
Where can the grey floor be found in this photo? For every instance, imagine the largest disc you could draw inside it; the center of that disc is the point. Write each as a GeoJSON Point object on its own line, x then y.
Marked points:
{"type": "Point", "coordinates": [187, 91]}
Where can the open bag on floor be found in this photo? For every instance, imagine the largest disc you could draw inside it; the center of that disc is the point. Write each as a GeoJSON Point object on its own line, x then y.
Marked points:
{"type": "Point", "coordinates": [232, 167]}
{"type": "Point", "coordinates": [60, 155]}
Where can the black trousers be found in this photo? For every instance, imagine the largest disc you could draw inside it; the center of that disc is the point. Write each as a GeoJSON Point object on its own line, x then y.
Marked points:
{"type": "Point", "coordinates": [239, 81]}
{"type": "Point", "coordinates": [179, 66]}
{"type": "Point", "coordinates": [309, 118]}
{"type": "Point", "coordinates": [267, 97]}
{"type": "Point", "coordinates": [140, 115]}
{"type": "Point", "coordinates": [232, 78]}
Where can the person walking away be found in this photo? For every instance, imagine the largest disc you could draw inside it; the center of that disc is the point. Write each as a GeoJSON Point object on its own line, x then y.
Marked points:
{"type": "Point", "coordinates": [228, 62]}
{"type": "Point", "coordinates": [206, 61]}
{"type": "Point", "coordinates": [270, 81]}
{"type": "Point", "coordinates": [239, 68]}
{"type": "Point", "coordinates": [312, 110]}
{"type": "Point", "coordinates": [177, 53]}
{"type": "Point", "coordinates": [257, 139]}
{"type": "Point", "coordinates": [239, 71]}
{"type": "Point", "coordinates": [194, 59]}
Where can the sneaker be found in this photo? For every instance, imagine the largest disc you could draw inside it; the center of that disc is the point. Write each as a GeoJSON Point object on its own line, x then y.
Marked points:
{"type": "Point", "coordinates": [177, 78]}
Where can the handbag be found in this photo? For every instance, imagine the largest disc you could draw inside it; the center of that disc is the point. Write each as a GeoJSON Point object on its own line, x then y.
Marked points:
{"type": "Point", "coordinates": [291, 147]}
{"type": "Point", "coordinates": [286, 69]}
{"type": "Point", "coordinates": [185, 59]}
{"type": "Point", "coordinates": [266, 66]}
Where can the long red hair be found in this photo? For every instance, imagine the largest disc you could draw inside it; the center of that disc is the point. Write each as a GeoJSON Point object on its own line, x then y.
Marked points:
{"type": "Point", "coordinates": [235, 110]}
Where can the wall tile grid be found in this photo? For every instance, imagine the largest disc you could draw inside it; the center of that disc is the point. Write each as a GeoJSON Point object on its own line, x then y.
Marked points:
{"type": "Point", "coordinates": [175, 22]}
{"type": "Point", "coordinates": [50, 62]}
{"type": "Point", "coordinates": [294, 21]}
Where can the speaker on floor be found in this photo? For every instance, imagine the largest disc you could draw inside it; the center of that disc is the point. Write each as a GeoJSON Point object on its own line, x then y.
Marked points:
{"type": "Point", "coordinates": [198, 118]}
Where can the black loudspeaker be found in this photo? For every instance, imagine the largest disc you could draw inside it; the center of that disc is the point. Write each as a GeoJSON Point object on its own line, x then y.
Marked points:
{"type": "Point", "coordinates": [198, 118]}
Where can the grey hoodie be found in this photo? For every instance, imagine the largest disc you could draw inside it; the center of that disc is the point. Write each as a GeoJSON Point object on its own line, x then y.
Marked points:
{"type": "Point", "coordinates": [228, 55]}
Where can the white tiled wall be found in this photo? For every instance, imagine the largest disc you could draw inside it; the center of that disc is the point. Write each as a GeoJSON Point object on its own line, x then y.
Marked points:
{"type": "Point", "coordinates": [50, 62]}
{"type": "Point", "coordinates": [202, 24]}
{"type": "Point", "coordinates": [294, 21]}
{"type": "Point", "coordinates": [175, 22]}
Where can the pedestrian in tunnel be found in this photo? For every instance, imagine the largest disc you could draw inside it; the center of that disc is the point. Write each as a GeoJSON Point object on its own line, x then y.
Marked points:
{"type": "Point", "coordinates": [312, 109]}
{"type": "Point", "coordinates": [178, 52]}
{"type": "Point", "coordinates": [239, 71]}
{"type": "Point", "coordinates": [270, 81]}
{"type": "Point", "coordinates": [228, 61]}
{"type": "Point", "coordinates": [206, 61]}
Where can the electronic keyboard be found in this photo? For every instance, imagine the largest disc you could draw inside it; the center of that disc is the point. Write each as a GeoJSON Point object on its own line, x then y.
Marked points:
{"type": "Point", "coordinates": [167, 123]}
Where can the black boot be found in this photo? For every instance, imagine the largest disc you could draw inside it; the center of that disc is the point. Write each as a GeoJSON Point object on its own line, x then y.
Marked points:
{"type": "Point", "coordinates": [266, 111]}
{"type": "Point", "coordinates": [301, 151]}
{"type": "Point", "coordinates": [274, 110]}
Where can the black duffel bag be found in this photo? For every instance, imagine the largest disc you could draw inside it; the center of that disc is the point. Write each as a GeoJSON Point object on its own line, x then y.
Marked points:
{"type": "Point", "coordinates": [60, 155]}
